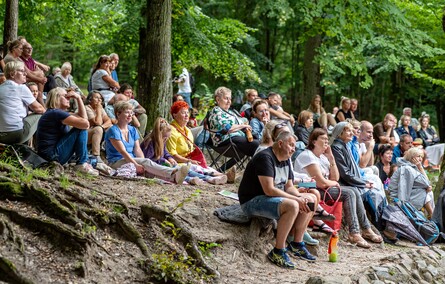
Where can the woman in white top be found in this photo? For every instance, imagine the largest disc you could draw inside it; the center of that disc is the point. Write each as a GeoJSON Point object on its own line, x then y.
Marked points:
{"type": "Point", "coordinates": [101, 79]}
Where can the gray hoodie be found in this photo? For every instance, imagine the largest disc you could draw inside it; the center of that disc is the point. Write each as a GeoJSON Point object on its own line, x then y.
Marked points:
{"type": "Point", "coordinates": [409, 184]}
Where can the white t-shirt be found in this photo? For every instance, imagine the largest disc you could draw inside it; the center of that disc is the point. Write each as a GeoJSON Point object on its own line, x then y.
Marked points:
{"type": "Point", "coordinates": [99, 84]}
{"type": "Point", "coordinates": [306, 158]}
{"type": "Point", "coordinates": [184, 87]}
{"type": "Point", "coordinates": [14, 102]}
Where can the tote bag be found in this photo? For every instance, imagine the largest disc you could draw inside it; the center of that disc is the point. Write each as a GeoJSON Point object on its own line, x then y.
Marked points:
{"type": "Point", "coordinates": [333, 207]}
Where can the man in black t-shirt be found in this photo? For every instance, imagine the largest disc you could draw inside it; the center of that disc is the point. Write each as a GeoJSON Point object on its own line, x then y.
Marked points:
{"type": "Point", "coordinates": [267, 190]}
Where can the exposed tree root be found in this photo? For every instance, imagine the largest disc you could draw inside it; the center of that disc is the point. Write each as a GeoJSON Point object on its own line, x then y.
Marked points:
{"type": "Point", "coordinates": [185, 237]}
{"type": "Point", "coordinates": [131, 233]}
{"type": "Point", "coordinates": [8, 272]}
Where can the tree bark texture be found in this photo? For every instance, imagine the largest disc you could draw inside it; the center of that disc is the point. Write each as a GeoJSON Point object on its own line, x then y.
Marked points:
{"type": "Point", "coordinates": [155, 88]}
{"type": "Point", "coordinates": [11, 20]}
{"type": "Point", "coordinates": [311, 71]}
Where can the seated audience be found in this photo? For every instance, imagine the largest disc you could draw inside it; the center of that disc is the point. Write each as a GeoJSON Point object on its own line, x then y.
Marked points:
{"type": "Point", "coordinates": [406, 128]}
{"type": "Point", "coordinates": [16, 126]}
{"type": "Point", "coordinates": [251, 95]}
{"type": "Point", "coordinates": [267, 190]}
{"type": "Point", "coordinates": [261, 116]}
{"type": "Point", "coordinates": [35, 93]}
{"type": "Point", "coordinates": [305, 126]}
{"type": "Point", "coordinates": [154, 148]}
{"type": "Point", "coordinates": [354, 109]}
{"type": "Point", "coordinates": [15, 50]}
{"type": "Point", "coordinates": [277, 112]}
{"type": "Point", "coordinates": [114, 60]}
{"type": "Point", "coordinates": [383, 131]}
{"type": "Point", "coordinates": [101, 79]}
{"type": "Point", "coordinates": [318, 162]}
{"type": "Point", "coordinates": [177, 97]}
{"type": "Point", "coordinates": [406, 142]}
{"type": "Point", "coordinates": [226, 124]}
{"type": "Point", "coordinates": [65, 80]}
{"type": "Point", "coordinates": [34, 72]}
{"type": "Point", "coordinates": [99, 122]}
{"type": "Point", "coordinates": [414, 122]}
{"type": "Point", "coordinates": [321, 118]}
{"type": "Point", "coordinates": [411, 183]}
{"type": "Point", "coordinates": [122, 146]}
{"type": "Point", "coordinates": [434, 149]}
{"type": "Point", "coordinates": [385, 161]}
{"type": "Point", "coordinates": [366, 139]}
{"type": "Point", "coordinates": [60, 134]}
{"type": "Point", "coordinates": [344, 112]}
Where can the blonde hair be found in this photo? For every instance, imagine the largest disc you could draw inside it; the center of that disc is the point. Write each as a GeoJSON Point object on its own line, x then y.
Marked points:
{"type": "Point", "coordinates": [52, 100]}
{"type": "Point", "coordinates": [412, 153]}
{"type": "Point", "coordinates": [304, 116]}
{"type": "Point", "coordinates": [155, 137]}
{"type": "Point", "coordinates": [65, 65]}
{"type": "Point", "coordinates": [121, 106]}
{"type": "Point", "coordinates": [12, 67]}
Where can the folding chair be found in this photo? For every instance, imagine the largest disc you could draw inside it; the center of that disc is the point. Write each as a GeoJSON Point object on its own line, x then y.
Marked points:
{"type": "Point", "coordinates": [222, 157]}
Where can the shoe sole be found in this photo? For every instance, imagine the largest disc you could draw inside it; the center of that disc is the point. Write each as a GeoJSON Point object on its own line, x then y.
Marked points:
{"type": "Point", "coordinates": [182, 171]}
{"type": "Point", "coordinates": [287, 267]}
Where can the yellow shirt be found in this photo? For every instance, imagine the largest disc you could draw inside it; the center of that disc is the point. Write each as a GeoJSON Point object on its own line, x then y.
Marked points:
{"type": "Point", "coordinates": [177, 144]}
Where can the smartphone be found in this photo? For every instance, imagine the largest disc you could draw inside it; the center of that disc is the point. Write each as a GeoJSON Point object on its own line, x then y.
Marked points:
{"type": "Point", "coordinates": [307, 184]}
{"type": "Point", "coordinates": [311, 206]}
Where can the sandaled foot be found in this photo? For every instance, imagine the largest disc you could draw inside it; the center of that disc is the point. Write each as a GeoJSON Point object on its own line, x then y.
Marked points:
{"type": "Point", "coordinates": [322, 228]}
{"type": "Point", "coordinates": [358, 241]}
{"type": "Point", "coordinates": [323, 215]}
{"type": "Point", "coordinates": [373, 237]}
{"type": "Point", "coordinates": [196, 181]}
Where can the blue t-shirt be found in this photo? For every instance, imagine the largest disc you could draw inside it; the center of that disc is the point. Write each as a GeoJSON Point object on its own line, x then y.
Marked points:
{"type": "Point", "coordinates": [114, 133]}
{"type": "Point", "coordinates": [50, 130]}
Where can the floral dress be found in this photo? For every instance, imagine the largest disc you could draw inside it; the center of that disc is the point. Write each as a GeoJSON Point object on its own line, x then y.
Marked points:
{"type": "Point", "coordinates": [220, 121]}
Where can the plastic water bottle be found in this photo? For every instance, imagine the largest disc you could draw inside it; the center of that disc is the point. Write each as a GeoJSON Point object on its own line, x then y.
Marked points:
{"type": "Point", "coordinates": [333, 248]}
{"type": "Point", "coordinates": [249, 135]}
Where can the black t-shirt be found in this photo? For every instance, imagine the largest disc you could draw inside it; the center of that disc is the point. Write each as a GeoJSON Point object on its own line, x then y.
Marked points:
{"type": "Point", "coordinates": [263, 163]}
{"type": "Point", "coordinates": [50, 130]}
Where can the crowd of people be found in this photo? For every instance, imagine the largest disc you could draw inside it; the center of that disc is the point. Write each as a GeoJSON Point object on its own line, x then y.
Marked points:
{"type": "Point", "coordinates": [346, 159]}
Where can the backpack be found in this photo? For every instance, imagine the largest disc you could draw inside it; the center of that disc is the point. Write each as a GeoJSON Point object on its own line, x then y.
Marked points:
{"type": "Point", "coordinates": [191, 80]}
{"type": "Point", "coordinates": [427, 228]}
{"type": "Point", "coordinates": [374, 204]}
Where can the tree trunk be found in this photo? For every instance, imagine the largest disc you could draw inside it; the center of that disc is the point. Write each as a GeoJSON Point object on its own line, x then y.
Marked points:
{"type": "Point", "coordinates": [311, 71]}
{"type": "Point", "coordinates": [154, 79]}
{"type": "Point", "coordinates": [11, 20]}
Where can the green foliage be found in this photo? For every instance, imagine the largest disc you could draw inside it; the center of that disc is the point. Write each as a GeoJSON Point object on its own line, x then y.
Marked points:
{"type": "Point", "coordinates": [206, 101]}
{"type": "Point", "coordinates": [195, 194]}
{"type": "Point", "coordinates": [64, 181]}
{"type": "Point", "coordinates": [206, 248]}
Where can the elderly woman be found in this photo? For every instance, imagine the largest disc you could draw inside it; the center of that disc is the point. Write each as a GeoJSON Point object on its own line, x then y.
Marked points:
{"type": "Point", "coordinates": [101, 79]}
{"type": "Point", "coordinates": [261, 116]}
{"type": "Point", "coordinates": [16, 126]}
{"type": "Point", "coordinates": [65, 80]}
{"type": "Point", "coordinates": [99, 122]}
{"type": "Point", "coordinates": [226, 125]}
{"type": "Point", "coordinates": [406, 128]}
{"type": "Point", "coordinates": [410, 182]}
{"type": "Point", "coordinates": [61, 134]}
{"type": "Point", "coordinates": [350, 174]}
{"type": "Point", "coordinates": [318, 162]}
{"type": "Point", "coordinates": [122, 146]}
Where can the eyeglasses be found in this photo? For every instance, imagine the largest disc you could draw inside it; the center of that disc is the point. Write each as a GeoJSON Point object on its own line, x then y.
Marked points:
{"type": "Point", "coordinates": [278, 126]}
{"type": "Point", "coordinates": [264, 111]}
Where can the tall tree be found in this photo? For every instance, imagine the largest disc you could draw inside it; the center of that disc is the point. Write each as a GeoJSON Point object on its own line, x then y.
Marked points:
{"type": "Point", "coordinates": [11, 20]}
{"type": "Point", "coordinates": [154, 70]}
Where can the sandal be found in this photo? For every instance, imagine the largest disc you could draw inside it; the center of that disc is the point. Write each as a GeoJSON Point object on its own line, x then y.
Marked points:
{"type": "Point", "coordinates": [359, 241]}
{"type": "Point", "coordinates": [320, 216]}
{"type": "Point", "coordinates": [373, 237]}
{"type": "Point", "coordinates": [323, 228]}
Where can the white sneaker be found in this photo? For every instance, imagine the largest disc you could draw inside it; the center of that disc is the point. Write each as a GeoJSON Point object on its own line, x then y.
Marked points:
{"type": "Point", "coordinates": [181, 173]}
{"type": "Point", "coordinates": [86, 169]}
{"type": "Point", "coordinates": [218, 180]}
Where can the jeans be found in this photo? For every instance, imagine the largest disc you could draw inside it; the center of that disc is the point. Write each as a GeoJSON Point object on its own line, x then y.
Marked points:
{"type": "Point", "coordinates": [187, 98]}
{"type": "Point", "coordinates": [353, 209]}
{"type": "Point", "coordinates": [263, 206]}
{"type": "Point", "coordinates": [74, 141]}
{"type": "Point", "coordinates": [192, 174]}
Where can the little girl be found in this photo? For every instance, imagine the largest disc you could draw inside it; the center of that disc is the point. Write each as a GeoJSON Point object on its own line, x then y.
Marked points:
{"type": "Point", "coordinates": [154, 149]}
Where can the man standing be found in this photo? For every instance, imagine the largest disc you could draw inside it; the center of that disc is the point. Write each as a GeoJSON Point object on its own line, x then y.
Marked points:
{"type": "Point", "coordinates": [267, 190]}
{"type": "Point", "coordinates": [406, 142]}
{"type": "Point", "coordinates": [115, 61]}
{"type": "Point", "coordinates": [185, 90]}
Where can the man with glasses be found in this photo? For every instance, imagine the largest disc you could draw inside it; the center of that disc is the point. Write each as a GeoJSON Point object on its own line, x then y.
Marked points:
{"type": "Point", "coordinates": [34, 72]}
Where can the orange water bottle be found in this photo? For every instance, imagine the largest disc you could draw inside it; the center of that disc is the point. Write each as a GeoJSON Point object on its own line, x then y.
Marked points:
{"type": "Point", "coordinates": [333, 248]}
{"type": "Point", "coordinates": [249, 135]}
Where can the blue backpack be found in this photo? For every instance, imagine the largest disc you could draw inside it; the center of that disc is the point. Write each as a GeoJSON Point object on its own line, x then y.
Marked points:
{"type": "Point", "coordinates": [427, 228]}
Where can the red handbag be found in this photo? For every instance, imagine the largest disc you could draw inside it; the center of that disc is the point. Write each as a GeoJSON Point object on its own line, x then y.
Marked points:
{"type": "Point", "coordinates": [196, 154]}
{"type": "Point", "coordinates": [333, 207]}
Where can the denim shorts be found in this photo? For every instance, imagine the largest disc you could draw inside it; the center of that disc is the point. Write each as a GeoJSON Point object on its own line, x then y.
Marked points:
{"type": "Point", "coordinates": [263, 206]}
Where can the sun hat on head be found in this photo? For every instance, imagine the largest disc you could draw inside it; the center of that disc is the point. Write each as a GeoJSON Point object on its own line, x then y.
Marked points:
{"type": "Point", "coordinates": [338, 129]}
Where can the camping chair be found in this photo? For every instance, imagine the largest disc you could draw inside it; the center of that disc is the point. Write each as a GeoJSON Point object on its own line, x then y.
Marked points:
{"type": "Point", "coordinates": [222, 157]}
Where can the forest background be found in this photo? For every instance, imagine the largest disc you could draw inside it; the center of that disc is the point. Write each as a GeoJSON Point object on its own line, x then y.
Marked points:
{"type": "Point", "coordinates": [388, 54]}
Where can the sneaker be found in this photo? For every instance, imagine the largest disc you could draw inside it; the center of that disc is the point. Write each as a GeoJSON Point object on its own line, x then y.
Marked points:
{"type": "Point", "coordinates": [281, 259]}
{"type": "Point", "coordinates": [231, 175]}
{"type": "Point", "coordinates": [86, 169]}
{"type": "Point", "coordinates": [218, 180]}
{"type": "Point", "coordinates": [307, 239]}
{"type": "Point", "coordinates": [195, 181]}
{"type": "Point", "coordinates": [300, 250]}
{"type": "Point", "coordinates": [181, 173]}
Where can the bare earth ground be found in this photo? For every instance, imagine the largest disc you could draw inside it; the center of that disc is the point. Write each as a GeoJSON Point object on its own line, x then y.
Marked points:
{"type": "Point", "coordinates": [117, 260]}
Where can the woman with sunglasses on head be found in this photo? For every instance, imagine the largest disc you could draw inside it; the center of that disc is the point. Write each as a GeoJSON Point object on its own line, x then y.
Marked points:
{"type": "Point", "coordinates": [60, 134]}
{"type": "Point", "coordinates": [261, 116]}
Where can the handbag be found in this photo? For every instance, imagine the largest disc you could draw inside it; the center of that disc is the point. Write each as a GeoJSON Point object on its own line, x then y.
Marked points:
{"type": "Point", "coordinates": [196, 154]}
{"type": "Point", "coordinates": [333, 207]}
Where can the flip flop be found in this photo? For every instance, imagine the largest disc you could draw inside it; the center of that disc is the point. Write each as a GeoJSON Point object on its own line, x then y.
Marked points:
{"type": "Point", "coordinates": [319, 216]}
{"type": "Point", "coordinates": [323, 228]}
